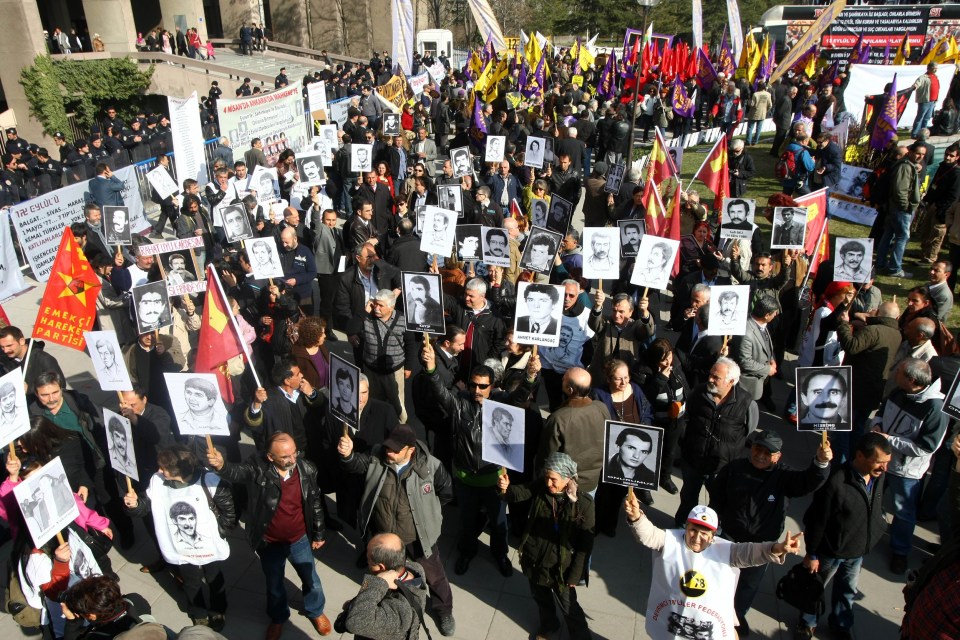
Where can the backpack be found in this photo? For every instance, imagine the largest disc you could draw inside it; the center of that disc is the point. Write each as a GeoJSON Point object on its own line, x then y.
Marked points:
{"type": "Point", "coordinates": [786, 167]}
{"type": "Point", "coordinates": [16, 602]}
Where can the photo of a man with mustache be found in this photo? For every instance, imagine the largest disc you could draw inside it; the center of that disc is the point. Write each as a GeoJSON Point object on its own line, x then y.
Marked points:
{"type": "Point", "coordinates": [823, 398]}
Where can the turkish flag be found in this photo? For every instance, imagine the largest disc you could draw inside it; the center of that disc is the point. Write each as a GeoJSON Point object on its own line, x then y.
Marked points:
{"type": "Point", "coordinates": [69, 304]}
{"type": "Point", "coordinates": [219, 339]}
{"type": "Point", "coordinates": [714, 172]}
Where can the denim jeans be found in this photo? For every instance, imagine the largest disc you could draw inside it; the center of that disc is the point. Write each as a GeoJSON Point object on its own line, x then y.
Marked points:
{"type": "Point", "coordinates": [747, 587]}
{"type": "Point", "coordinates": [897, 232]}
{"type": "Point", "coordinates": [472, 500]}
{"type": "Point", "coordinates": [924, 114]}
{"type": "Point", "coordinates": [753, 131]}
{"type": "Point", "coordinates": [903, 498]}
{"type": "Point", "coordinates": [845, 573]}
{"type": "Point", "coordinates": [273, 560]}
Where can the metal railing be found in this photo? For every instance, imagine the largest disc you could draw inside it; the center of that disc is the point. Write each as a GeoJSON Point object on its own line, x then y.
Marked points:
{"type": "Point", "coordinates": [142, 168]}
{"type": "Point", "coordinates": [280, 47]}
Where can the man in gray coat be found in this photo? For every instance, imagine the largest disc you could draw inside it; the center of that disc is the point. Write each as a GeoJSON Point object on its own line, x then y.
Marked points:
{"type": "Point", "coordinates": [754, 350]}
{"type": "Point", "coordinates": [404, 488]}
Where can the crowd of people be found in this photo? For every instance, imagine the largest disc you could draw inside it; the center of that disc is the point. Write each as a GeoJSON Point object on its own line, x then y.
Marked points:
{"type": "Point", "coordinates": [626, 354]}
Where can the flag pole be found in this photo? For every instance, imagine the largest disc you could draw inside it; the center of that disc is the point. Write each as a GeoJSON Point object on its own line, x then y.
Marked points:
{"type": "Point", "coordinates": [26, 359]}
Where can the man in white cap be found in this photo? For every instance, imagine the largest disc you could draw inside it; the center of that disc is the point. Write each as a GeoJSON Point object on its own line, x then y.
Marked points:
{"type": "Point", "coordinates": [704, 568]}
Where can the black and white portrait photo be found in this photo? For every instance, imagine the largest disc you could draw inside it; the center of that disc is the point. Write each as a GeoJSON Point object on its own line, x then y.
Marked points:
{"type": "Point", "coordinates": [120, 444]}
{"type": "Point", "coordinates": [539, 309]}
{"type": "Point", "coordinates": [540, 250]}
{"type": "Point", "coordinates": [236, 223]}
{"type": "Point", "coordinates": [438, 231]}
{"type": "Point", "coordinates": [495, 147]}
{"type": "Point", "coordinates": [391, 124]}
{"type": "Point", "coordinates": [655, 261]}
{"type": "Point", "coordinates": [107, 359]}
{"type": "Point", "coordinates": [951, 404]}
{"type": "Point", "coordinates": [496, 246]}
{"type": "Point", "coordinates": [502, 435]}
{"type": "Point", "coordinates": [265, 183]}
{"type": "Point", "coordinates": [178, 267]}
{"type": "Point", "coordinates": [729, 308]}
{"type": "Point", "coordinates": [83, 563]}
{"type": "Point", "coordinates": [853, 259]}
{"type": "Point", "coordinates": [789, 227]}
{"type": "Point", "coordinates": [561, 212]}
{"type": "Point", "coordinates": [264, 259]}
{"type": "Point", "coordinates": [548, 156]}
{"type": "Point", "coordinates": [601, 253]}
{"type": "Point", "coordinates": [534, 152]}
{"type": "Point", "coordinates": [14, 418]}
{"type": "Point", "coordinates": [450, 197]}
{"type": "Point", "coordinates": [423, 302]}
{"type": "Point", "coordinates": [325, 143]}
{"type": "Point", "coordinates": [344, 390]}
{"type": "Point", "coordinates": [738, 214]}
{"type": "Point", "coordinates": [46, 501]}
{"type": "Point", "coordinates": [614, 178]}
{"type": "Point", "coordinates": [116, 225]}
{"type": "Point", "coordinates": [468, 242]}
{"type": "Point", "coordinates": [461, 161]}
{"type": "Point", "coordinates": [151, 305]}
{"type": "Point", "coordinates": [310, 170]}
{"type": "Point", "coordinates": [676, 156]}
{"type": "Point", "coordinates": [632, 455]}
{"type": "Point", "coordinates": [197, 404]}
{"type": "Point", "coordinates": [361, 158]}
{"type": "Point", "coordinates": [824, 400]}
{"type": "Point", "coordinates": [630, 233]}
{"type": "Point", "coordinates": [539, 209]}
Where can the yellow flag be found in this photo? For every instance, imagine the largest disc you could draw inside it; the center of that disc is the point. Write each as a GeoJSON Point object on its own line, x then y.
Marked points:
{"type": "Point", "coordinates": [903, 51]}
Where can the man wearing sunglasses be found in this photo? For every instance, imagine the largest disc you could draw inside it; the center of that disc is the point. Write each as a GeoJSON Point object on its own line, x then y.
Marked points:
{"type": "Point", "coordinates": [475, 481]}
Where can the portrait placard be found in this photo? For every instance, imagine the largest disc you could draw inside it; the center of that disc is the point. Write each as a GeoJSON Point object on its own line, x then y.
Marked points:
{"type": "Point", "coordinates": [46, 501]}
{"type": "Point", "coordinates": [438, 231]}
{"type": "Point", "coordinates": [266, 184]}
{"type": "Point", "coordinates": [107, 359]}
{"type": "Point", "coordinates": [632, 455]}
{"type": "Point", "coordinates": [468, 242]}
{"type": "Point", "coordinates": [391, 124]}
{"type": "Point", "coordinates": [540, 250]}
{"type": "Point", "coordinates": [495, 147]}
{"type": "Point", "coordinates": [561, 212]}
{"type": "Point", "coordinates": [539, 209]}
{"type": "Point", "coordinates": [123, 458]}
{"type": "Point", "coordinates": [655, 261]}
{"type": "Point", "coordinates": [534, 152]}
{"type": "Point", "coordinates": [853, 260]}
{"type": "Point", "coordinates": [630, 233]}
{"type": "Point", "coordinates": [496, 246]}
{"type": "Point", "coordinates": [83, 564]}
{"type": "Point", "coordinates": [196, 402]}
{"type": "Point", "coordinates": [116, 225]}
{"type": "Point", "coordinates": [738, 216]}
{"type": "Point", "coordinates": [825, 399]}
{"type": "Point", "coordinates": [151, 304]}
{"type": "Point", "coordinates": [264, 258]}
{"type": "Point", "coordinates": [236, 222]}
{"type": "Point", "coordinates": [344, 390]}
{"type": "Point", "coordinates": [162, 182]}
{"type": "Point", "coordinates": [502, 435]}
{"type": "Point", "coordinates": [325, 143]}
{"type": "Point", "coordinates": [729, 309]}
{"type": "Point", "coordinates": [423, 302]}
{"type": "Point", "coordinates": [614, 178]}
{"type": "Point", "coordinates": [601, 253]}
{"type": "Point", "coordinates": [180, 271]}
{"type": "Point", "coordinates": [951, 404]}
{"type": "Point", "coordinates": [539, 309]}
{"type": "Point", "coordinates": [310, 170]}
{"type": "Point", "coordinates": [361, 158]}
{"type": "Point", "coordinates": [450, 197]}
{"type": "Point", "coordinates": [461, 161]}
{"type": "Point", "coordinates": [14, 417]}
{"type": "Point", "coordinates": [789, 227]}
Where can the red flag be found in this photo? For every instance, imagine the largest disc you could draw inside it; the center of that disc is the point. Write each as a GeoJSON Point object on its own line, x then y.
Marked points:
{"type": "Point", "coordinates": [3, 317]}
{"type": "Point", "coordinates": [219, 337]}
{"type": "Point", "coordinates": [515, 211]}
{"type": "Point", "coordinates": [672, 229]}
{"type": "Point", "coordinates": [656, 215]}
{"type": "Point", "coordinates": [818, 226]}
{"type": "Point", "coordinates": [714, 172]}
{"type": "Point", "coordinates": [69, 304]}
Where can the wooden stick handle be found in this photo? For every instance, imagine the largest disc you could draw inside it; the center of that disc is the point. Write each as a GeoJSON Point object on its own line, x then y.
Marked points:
{"type": "Point", "coordinates": [13, 451]}
{"type": "Point", "coordinates": [534, 351]}
{"type": "Point", "coordinates": [129, 485]}
{"type": "Point", "coordinates": [824, 441]}
{"type": "Point", "coordinates": [120, 398]}
{"type": "Point", "coordinates": [210, 446]}
{"type": "Point", "coordinates": [645, 290]}
{"type": "Point", "coordinates": [60, 538]}
{"type": "Point", "coordinates": [600, 285]}
{"type": "Point", "coordinates": [629, 493]}
{"type": "Point", "coordinates": [346, 430]}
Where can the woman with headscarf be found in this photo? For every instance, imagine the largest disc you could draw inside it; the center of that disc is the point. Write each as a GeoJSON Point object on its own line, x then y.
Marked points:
{"type": "Point", "coordinates": [557, 543]}
{"type": "Point", "coordinates": [695, 574]}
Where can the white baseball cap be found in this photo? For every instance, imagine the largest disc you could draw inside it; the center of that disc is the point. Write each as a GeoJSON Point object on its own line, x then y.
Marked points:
{"type": "Point", "coordinates": [704, 516]}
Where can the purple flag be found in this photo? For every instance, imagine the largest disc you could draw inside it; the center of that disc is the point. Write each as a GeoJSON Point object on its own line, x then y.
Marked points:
{"type": "Point", "coordinates": [725, 62]}
{"type": "Point", "coordinates": [535, 82]}
{"type": "Point", "coordinates": [478, 122]}
{"type": "Point", "coordinates": [606, 87]}
{"type": "Point", "coordinates": [681, 102]}
{"type": "Point", "coordinates": [857, 50]}
{"type": "Point", "coordinates": [576, 61]}
{"type": "Point", "coordinates": [865, 54]}
{"type": "Point", "coordinates": [885, 128]}
{"type": "Point", "coordinates": [926, 48]}
{"type": "Point", "coordinates": [706, 74]}
{"type": "Point", "coordinates": [886, 54]}
{"type": "Point", "coordinates": [522, 78]}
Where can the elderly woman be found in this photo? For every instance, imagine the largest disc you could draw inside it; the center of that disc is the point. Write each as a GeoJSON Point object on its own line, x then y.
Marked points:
{"type": "Point", "coordinates": [694, 247]}
{"type": "Point", "coordinates": [558, 543]}
{"type": "Point", "coordinates": [695, 573]}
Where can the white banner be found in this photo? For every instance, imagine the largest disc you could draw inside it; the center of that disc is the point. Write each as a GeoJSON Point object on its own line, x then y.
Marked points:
{"type": "Point", "coordinates": [401, 12]}
{"type": "Point", "coordinates": [11, 278]}
{"type": "Point", "coordinates": [697, 24]}
{"type": "Point", "coordinates": [40, 222]}
{"type": "Point", "coordinates": [438, 72]}
{"type": "Point", "coordinates": [338, 111]}
{"type": "Point", "coordinates": [188, 157]}
{"type": "Point", "coordinates": [870, 79]}
{"type": "Point", "coordinates": [172, 245]}
{"type": "Point", "coordinates": [276, 118]}
{"type": "Point", "coordinates": [487, 23]}
{"type": "Point", "coordinates": [417, 83]}
{"type": "Point", "coordinates": [736, 29]}
{"type": "Point", "coordinates": [317, 96]}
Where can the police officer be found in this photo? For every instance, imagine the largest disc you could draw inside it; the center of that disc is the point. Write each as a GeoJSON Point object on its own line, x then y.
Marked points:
{"type": "Point", "coordinates": [48, 172]}
{"type": "Point", "coordinates": [112, 119]}
{"type": "Point", "coordinates": [113, 143]}
{"type": "Point", "coordinates": [16, 144]}
{"type": "Point", "coordinates": [65, 147]}
{"type": "Point", "coordinates": [75, 164]}
{"type": "Point", "coordinates": [12, 177]}
{"type": "Point", "coordinates": [98, 152]}
{"type": "Point", "coordinates": [136, 142]}
{"type": "Point", "coordinates": [215, 91]}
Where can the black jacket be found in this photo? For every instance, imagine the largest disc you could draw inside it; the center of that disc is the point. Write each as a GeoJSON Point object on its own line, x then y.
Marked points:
{"type": "Point", "coordinates": [40, 362]}
{"type": "Point", "coordinates": [843, 521]}
{"type": "Point", "coordinates": [489, 331]}
{"type": "Point", "coordinates": [752, 503]}
{"type": "Point", "coordinates": [348, 306]}
{"type": "Point", "coordinates": [716, 434]}
{"type": "Point", "coordinates": [263, 495]}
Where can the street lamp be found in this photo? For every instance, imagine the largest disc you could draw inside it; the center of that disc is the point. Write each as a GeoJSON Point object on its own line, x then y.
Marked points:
{"type": "Point", "coordinates": [646, 4]}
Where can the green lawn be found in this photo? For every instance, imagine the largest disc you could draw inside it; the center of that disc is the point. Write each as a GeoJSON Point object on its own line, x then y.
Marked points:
{"type": "Point", "coordinates": [764, 183]}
